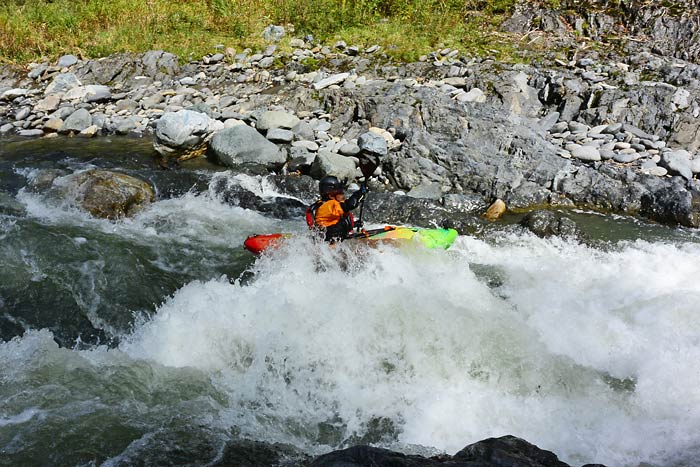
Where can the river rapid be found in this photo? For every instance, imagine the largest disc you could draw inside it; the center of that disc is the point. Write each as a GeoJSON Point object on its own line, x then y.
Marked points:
{"type": "Point", "coordinates": [159, 340]}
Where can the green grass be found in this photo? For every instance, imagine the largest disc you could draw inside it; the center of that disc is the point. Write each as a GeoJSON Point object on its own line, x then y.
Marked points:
{"type": "Point", "coordinates": [32, 30]}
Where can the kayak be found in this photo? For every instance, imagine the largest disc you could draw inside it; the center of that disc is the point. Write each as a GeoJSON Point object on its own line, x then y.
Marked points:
{"type": "Point", "coordinates": [430, 238]}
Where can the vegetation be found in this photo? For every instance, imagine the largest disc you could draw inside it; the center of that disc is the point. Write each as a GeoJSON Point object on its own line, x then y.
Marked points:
{"type": "Point", "coordinates": [45, 29]}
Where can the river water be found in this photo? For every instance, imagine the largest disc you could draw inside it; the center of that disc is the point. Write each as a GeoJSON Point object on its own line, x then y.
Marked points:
{"type": "Point", "coordinates": [160, 340]}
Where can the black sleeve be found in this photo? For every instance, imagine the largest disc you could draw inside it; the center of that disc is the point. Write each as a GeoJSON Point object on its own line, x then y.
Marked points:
{"type": "Point", "coordinates": [352, 202]}
{"type": "Point", "coordinates": [341, 230]}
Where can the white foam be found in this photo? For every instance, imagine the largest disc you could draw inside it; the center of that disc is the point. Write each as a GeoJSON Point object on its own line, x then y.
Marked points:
{"type": "Point", "coordinates": [418, 338]}
{"type": "Point", "coordinates": [590, 353]}
{"type": "Point", "coordinates": [22, 417]}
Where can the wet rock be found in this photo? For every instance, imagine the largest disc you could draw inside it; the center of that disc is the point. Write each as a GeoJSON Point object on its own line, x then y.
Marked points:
{"type": "Point", "coordinates": [671, 203]}
{"type": "Point", "coordinates": [30, 133]}
{"type": "Point", "coordinates": [107, 194]}
{"type": "Point", "coordinates": [496, 210]}
{"type": "Point", "coordinates": [42, 180]}
{"type": "Point", "coordinates": [401, 209]}
{"type": "Point", "coordinates": [366, 456]}
{"type": "Point", "coordinates": [10, 206]}
{"type": "Point", "coordinates": [504, 451]}
{"type": "Point", "coordinates": [280, 207]}
{"type": "Point", "coordinates": [546, 224]}
{"type": "Point", "coordinates": [462, 203]}
{"type": "Point", "coordinates": [298, 186]}
{"type": "Point", "coordinates": [508, 450]}
{"type": "Point", "coordinates": [242, 146]}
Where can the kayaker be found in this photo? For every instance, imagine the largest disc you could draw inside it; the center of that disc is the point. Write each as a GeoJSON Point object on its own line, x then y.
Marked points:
{"type": "Point", "coordinates": [332, 212]}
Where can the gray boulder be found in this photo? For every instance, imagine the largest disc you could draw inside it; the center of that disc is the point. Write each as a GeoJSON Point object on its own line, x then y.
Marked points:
{"type": "Point", "coordinates": [123, 125]}
{"type": "Point", "coordinates": [426, 190]}
{"type": "Point", "coordinates": [278, 135]}
{"type": "Point", "coordinates": [330, 163]}
{"type": "Point", "coordinates": [304, 130]}
{"type": "Point", "coordinates": [160, 65]}
{"type": "Point", "coordinates": [63, 82]}
{"type": "Point", "coordinates": [242, 145]}
{"type": "Point", "coordinates": [48, 104]}
{"type": "Point", "coordinates": [373, 144]}
{"type": "Point", "coordinates": [182, 130]}
{"type": "Point", "coordinates": [76, 122]}
{"type": "Point", "coordinates": [67, 61]}
{"type": "Point", "coordinates": [586, 153]}
{"type": "Point", "coordinates": [276, 119]}
{"type": "Point", "coordinates": [14, 93]}
{"type": "Point", "coordinates": [672, 203]}
{"type": "Point", "coordinates": [349, 149]}
{"type": "Point", "coordinates": [97, 93]}
{"type": "Point", "coordinates": [678, 163]}
{"type": "Point", "coordinates": [273, 33]}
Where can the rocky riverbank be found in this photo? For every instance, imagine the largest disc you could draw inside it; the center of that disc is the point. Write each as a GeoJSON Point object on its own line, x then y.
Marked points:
{"type": "Point", "coordinates": [460, 132]}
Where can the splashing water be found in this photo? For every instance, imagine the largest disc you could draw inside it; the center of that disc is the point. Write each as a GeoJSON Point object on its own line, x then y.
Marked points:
{"type": "Point", "coordinates": [591, 354]}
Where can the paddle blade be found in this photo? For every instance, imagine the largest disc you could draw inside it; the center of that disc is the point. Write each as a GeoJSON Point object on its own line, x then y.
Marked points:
{"type": "Point", "coordinates": [368, 164]}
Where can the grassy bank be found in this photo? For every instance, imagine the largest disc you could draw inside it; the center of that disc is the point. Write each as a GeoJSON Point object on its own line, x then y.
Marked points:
{"type": "Point", "coordinates": [45, 29]}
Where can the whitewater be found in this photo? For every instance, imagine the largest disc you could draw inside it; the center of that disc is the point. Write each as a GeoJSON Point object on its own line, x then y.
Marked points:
{"type": "Point", "coordinates": [589, 350]}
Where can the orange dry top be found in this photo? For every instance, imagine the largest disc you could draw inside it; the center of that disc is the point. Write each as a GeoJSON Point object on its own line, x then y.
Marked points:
{"type": "Point", "coordinates": [329, 213]}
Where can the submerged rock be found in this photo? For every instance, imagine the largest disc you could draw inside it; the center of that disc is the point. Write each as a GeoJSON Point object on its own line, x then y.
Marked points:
{"type": "Point", "coordinates": [107, 194]}
{"type": "Point", "coordinates": [504, 451]}
{"type": "Point", "coordinates": [546, 224]}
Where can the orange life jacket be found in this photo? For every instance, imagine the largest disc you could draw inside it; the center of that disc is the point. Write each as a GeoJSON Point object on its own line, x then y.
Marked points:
{"type": "Point", "coordinates": [326, 214]}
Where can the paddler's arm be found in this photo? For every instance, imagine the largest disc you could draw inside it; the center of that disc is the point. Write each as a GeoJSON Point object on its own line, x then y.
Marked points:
{"type": "Point", "coordinates": [353, 201]}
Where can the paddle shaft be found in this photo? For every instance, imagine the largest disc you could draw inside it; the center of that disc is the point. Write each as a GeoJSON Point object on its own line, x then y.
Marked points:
{"type": "Point", "coordinates": [368, 164]}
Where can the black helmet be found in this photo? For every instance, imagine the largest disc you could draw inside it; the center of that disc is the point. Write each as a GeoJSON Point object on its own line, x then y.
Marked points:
{"type": "Point", "coordinates": [329, 185]}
